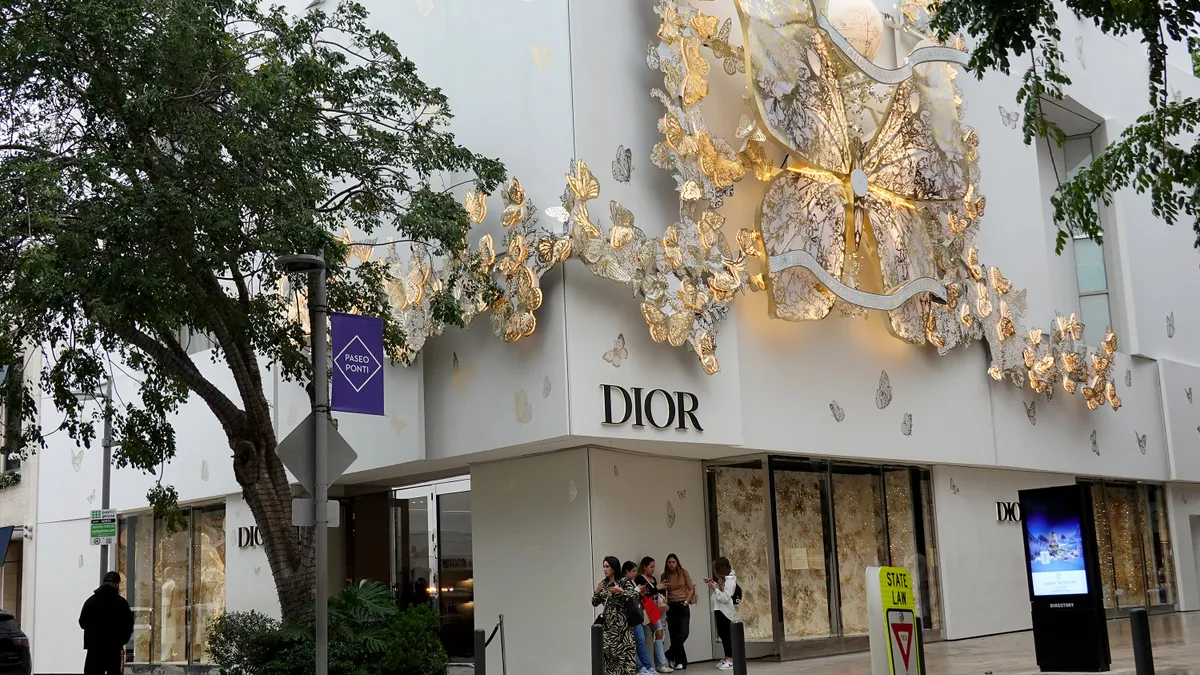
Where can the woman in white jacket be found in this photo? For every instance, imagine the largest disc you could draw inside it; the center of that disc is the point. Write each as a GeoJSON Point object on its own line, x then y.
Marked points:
{"type": "Point", "coordinates": [722, 586]}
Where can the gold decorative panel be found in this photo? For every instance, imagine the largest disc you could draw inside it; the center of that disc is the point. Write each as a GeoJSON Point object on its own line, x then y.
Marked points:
{"type": "Point", "coordinates": [742, 536]}
{"type": "Point", "coordinates": [801, 546]}
{"type": "Point", "coordinates": [858, 523]}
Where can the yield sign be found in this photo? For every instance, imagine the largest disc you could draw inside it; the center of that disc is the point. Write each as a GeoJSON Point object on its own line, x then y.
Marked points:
{"type": "Point", "coordinates": [900, 623]}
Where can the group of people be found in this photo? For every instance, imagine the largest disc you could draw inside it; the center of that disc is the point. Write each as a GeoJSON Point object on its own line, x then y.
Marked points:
{"type": "Point", "coordinates": [638, 605]}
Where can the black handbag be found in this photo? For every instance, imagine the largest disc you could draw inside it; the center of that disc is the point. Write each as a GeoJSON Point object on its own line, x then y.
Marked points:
{"type": "Point", "coordinates": [633, 611]}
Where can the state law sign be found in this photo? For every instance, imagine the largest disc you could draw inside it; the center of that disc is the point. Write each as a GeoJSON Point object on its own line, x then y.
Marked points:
{"type": "Point", "coordinates": [357, 363]}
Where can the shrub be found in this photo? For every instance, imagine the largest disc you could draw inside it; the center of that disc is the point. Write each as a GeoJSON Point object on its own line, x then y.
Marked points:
{"type": "Point", "coordinates": [368, 635]}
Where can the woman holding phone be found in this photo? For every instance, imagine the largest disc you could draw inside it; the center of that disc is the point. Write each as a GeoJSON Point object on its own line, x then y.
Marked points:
{"type": "Point", "coordinates": [655, 603]}
{"type": "Point", "coordinates": [723, 585]}
{"type": "Point", "coordinates": [681, 595]}
{"type": "Point", "coordinates": [613, 592]}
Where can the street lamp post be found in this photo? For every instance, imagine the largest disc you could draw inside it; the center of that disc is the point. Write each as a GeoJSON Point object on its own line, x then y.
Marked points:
{"type": "Point", "coordinates": [105, 443]}
{"type": "Point", "coordinates": [314, 267]}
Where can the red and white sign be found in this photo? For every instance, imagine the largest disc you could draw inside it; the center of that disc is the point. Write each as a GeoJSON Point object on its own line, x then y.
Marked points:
{"type": "Point", "coordinates": [903, 640]}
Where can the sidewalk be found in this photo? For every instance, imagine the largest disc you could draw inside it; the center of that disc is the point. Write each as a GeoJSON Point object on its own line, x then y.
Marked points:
{"type": "Point", "coordinates": [1176, 639]}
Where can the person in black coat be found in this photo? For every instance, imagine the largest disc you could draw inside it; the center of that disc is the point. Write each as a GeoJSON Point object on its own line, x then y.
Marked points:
{"type": "Point", "coordinates": [107, 624]}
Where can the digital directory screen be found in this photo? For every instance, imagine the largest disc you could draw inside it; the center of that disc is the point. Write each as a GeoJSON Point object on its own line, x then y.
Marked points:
{"type": "Point", "coordinates": [1054, 543]}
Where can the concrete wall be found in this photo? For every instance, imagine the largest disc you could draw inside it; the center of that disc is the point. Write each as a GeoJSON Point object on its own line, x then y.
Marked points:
{"type": "Point", "coordinates": [982, 564]}
{"type": "Point", "coordinates": [531, 523]}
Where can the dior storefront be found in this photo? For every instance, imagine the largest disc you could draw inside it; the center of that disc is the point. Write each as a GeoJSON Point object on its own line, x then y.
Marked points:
{"type": "Point", "coordinates": [801, 534]}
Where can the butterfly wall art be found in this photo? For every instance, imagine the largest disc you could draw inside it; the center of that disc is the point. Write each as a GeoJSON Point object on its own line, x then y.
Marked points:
{"type": "Point", "coordinates": [1010, 119]}
{"type": "Point", "coordinates": [622, 166]}
{"type": "Point", "coordinates": [906, 424]}
{"type": "Point", "coordinates": [1141, 441]}
{"type": "Point", "coordinates": [618, 353]}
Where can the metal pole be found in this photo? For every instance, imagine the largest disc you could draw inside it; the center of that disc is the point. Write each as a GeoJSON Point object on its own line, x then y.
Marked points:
{"type": "Point", "coordinates": [737, 634]}
{"type": "Point", "coordinates": [920, 638]}
{"type": "Point", "coordinates": [318, 311]}
{"type": "Point", "coordinates": [1143, 655]}
{"type": "Point", "coordinates": [503, 650]}
{"type": "Point", "coordinates": [480, 652]}
{"type": "Point", "coordinates": [106, 480]}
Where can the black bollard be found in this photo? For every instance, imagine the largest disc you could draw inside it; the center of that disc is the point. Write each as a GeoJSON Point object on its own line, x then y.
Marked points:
{"type": "Point", "coordinates": [737, 634]}
{"type": "Point", "coordinates": [919, 636]}
{"type": "Point", "coordinates": [597, 649]}
{"type": "Point", "coordinates": [480, 652]}
{"type": "Point", "coordinates": [1139, 626]}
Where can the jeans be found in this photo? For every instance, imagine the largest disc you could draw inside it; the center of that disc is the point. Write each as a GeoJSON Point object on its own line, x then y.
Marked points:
{"type": "Point", "coordinates": [660, 654]}
{"type": "Point", "coordinates": [679, 625]}
{"type": "Point", "coordinates": [103, 661]}
{"type": "Point", "coordinates": [723, 623]}
{"type": "Point", "coordinates": [643, 656]}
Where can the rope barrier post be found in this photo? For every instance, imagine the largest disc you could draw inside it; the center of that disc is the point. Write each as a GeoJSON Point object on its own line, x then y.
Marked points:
{"type": "Point", "coordinates": [737, 634]}
{"type": "Point", "coordinates": [597, 649]}
{"type": "Point", "coordinates": [503, 649]}
{"type": "Point", "coordinates": [1143, 655]}
{"type": "Point", "coordinates": [480, 652]}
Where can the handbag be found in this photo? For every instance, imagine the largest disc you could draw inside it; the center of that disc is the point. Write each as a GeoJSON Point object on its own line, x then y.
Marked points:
{"type": "Point", "coordinates": [633, 611]}
{"type": "Point", "coordinates": [653, 613]}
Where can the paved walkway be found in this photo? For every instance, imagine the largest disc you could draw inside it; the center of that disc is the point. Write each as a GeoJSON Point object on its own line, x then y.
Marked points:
{"type": "Point", "coordinates": [1176, 639]}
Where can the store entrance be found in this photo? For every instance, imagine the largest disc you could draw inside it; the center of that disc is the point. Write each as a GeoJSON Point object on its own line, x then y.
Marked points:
{"type": "Point", "coordinates": [433, 563]}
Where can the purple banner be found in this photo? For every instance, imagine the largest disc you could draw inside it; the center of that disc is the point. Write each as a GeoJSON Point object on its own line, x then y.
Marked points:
{"type": "Point", "coordinates": [357, 363]}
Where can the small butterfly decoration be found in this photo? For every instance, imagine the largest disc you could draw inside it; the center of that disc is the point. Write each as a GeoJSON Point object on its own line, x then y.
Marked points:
{"type": "Point", "coordinates": [77, 460]}
{"type": "Point", "coordinates": [462, 376]}
{"type": "Point", "coordinates": [572, 491]}
{"type": "Point", "coordinates": [1128, 378]}
{"type": "Point", "coordinates": [546, 387]}
{"type": "Point", "coordinates": [1176, 96]}
{"type": "Point", "coordinates": [1188, 391]}
{"type": "Point", "coordinates": [1010, 119]}
{"type": "Point", "coordinates": [1079, 51]}
{"type": "Point", "coordinates": [906, 425]}
{"type": "Point", "coordinates": [732, 56]}
{"type": "Point", "coordinates": [653, 58]}
{"type": "Point", "coordinates": [561, 215]}
{"type": "Point", "coordinates": [1031, 412]}
{"type": "Point", "coordinates": [1141, 441]}
{"type": "Point", "coordinates": [398, 423]}
{"type": "Point", "coordinates": [883, 394]}
{"type": "Point", "coordinates": [1171, 325]}
{"type": "Point", "coordinates": [425, 7]}
{"type": "Point", "coordinates": [257, 570]}
{"type": "Point", "coordinates": [1095, 443]}
{"type": "Point", "coordinates": [838, 413]}
{"type": "Point", "coordinates": [622, 166]}
{"type": "Point", "coordinates": [682, 494]}
{"type": "Point", "coordinates": [521, 405]}
{"type": "Point", "coordinates": [616, 471]}
{"type": "Point", "coordinates": [204, 470]}
{"type": "Point", "coordinates": [618, 353]}
{"type": "Point", "coordinates": [92, 497]}
{"type": "Point", "coordinates": [954, 488]}
{"type": "Point", "coordinates": [80, 563]}
{"type": "Point", "coordinates": [542, 55]}
{"type": "Point", "coordinates": [670, 515]}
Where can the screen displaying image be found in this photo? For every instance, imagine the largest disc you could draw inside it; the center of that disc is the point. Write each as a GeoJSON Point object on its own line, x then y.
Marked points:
{"type": "Point", "coordinates": [1054, 544]}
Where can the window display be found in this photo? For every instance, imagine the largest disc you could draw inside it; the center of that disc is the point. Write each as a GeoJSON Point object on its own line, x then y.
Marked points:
{"type": "Point", "coordinates": [175, 584]}
{"type": "Point", "coordinates": [1133, 543]}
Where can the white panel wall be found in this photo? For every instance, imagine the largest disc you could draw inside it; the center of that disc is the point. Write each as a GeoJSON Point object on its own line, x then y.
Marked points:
{"type": "Point", "coordinates": [532, 545]}
{"type": "Point", "coordinates": [1182, 418]}
{"type": "Point", "coordinates": [68, 572]}
{"type": "Point", "coordinates": [248, 581]}
{"type": "Point", "coordinates": [982, 564]}
{"type": "Point", "coordinates": [1184, 500]}
{"type": "Point", "coordinates": [633, 499]}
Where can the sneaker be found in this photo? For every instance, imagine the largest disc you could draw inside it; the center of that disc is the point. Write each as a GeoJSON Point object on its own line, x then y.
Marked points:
{"type": "Point", "coordinates": [665, 669]}
{"type": "Point", "coordinates": [725, 665]}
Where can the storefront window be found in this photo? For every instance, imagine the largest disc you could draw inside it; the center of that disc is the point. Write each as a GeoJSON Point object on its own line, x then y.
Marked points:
{"type": "Point", "coordinates": [1133, 545]}
{"type": "Point", "coordinates": [456, 574]}
{"type": "Point", "coordinates": [175, 583]}
{"type": "Point", "coordinates": [740, 494]}
{"type": "Point", "coordinates": [831, 522]}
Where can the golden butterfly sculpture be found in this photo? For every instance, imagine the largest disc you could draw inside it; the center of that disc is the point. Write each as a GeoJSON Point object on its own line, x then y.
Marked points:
{"type": "Point", "coordinates": [842, 197]}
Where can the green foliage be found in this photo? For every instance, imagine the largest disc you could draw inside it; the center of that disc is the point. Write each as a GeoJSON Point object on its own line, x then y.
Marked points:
{"type": "Point", "coordinates": [368, 635]}
{"type": "Point", "coordinates": [9, 479]}
{"type": "Point", "coordinates": [157, 156]}
{"type": "Point", "coordinates": [1145, 158]}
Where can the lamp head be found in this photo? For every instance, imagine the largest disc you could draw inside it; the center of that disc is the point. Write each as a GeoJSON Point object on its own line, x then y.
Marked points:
{"type": "Point", "coordinates": [301, 263]}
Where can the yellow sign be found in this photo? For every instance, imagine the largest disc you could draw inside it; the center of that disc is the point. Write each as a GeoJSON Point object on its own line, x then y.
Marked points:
{"type": "Point", "coordinates": [895, 587]}
{"type": "Point", "coordinates": [895, 590]}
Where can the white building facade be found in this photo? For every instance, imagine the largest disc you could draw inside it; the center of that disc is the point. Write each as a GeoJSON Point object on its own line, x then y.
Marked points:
{"type": "Point", "coordinates": [819, 448]}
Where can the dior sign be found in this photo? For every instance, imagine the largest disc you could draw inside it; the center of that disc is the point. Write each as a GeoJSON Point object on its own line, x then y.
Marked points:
{"type": "Point", "coordinates": [249, 536]}
{"type": "Point", "coordinates": [1008, 512]}
{"type": "Point", "coordinates": [658, 407]}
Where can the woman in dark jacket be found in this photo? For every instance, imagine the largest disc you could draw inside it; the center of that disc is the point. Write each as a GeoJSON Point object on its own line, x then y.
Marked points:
{"type": "Point", "coordinates": [614, 592]}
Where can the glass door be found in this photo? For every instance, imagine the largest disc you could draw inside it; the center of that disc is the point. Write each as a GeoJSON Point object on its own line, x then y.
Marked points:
{"type": "Point", "coordinates": [433, 561]}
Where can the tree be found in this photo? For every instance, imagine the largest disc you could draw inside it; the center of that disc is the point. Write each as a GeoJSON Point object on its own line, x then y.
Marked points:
{"type": "Point", "coordinates": [156, 157]}
{"type": "Point", "coordinates": [1148, 156]}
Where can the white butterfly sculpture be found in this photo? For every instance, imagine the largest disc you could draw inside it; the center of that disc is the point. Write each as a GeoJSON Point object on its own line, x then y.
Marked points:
{"type": "Point", "coordinates": [622, 166]}
{"type": "Point", "coordinates": [618, 353]}
{"type": "Point", "coordinates": [844, 200]}
{"type": "Point", "coordinates": [1010, 119]}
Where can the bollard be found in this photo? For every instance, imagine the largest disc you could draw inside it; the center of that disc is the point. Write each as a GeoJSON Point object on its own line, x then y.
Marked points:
{"type": "Point", "coordinates": [480, 652]}
{"type": "Point", "coordinates": [503, 649]}
{"type": "Point", "coordinates": [597, 649]}
{"type": "Point", "coordinates": [737, 635]}
{"type": "Point", "coordinates": [919, 636]}
{"type": "Point", "coordinates": [1143, 656]}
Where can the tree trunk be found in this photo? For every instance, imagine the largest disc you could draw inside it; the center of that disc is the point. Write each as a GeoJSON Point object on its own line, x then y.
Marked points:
{"type": "Point", "coordinates": [290, 551]}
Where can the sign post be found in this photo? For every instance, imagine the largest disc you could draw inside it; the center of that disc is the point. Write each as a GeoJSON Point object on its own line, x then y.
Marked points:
{"type": "Point", "coordinates": [893, 622]}
{"type": "Point", "coordinates": [103, 531]}
{"type": "Point", "coordinates": [357, 363]}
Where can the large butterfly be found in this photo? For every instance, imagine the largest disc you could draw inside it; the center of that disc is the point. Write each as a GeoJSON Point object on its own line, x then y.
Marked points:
{"type": "Point", "coordinates": [848, 217]}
